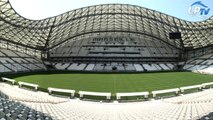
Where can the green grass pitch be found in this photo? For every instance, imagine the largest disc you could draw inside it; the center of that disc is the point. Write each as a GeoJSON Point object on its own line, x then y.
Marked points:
{"type": "Point", "coordinates": [115, 82]}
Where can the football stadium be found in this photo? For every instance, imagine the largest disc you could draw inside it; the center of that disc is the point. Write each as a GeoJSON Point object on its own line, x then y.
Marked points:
{"type": "Point", "coordinates": [105, 62]}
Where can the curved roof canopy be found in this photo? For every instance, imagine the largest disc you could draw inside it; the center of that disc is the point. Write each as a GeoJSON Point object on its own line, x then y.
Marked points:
{"type": "Point", "coordinates": [123, 18]}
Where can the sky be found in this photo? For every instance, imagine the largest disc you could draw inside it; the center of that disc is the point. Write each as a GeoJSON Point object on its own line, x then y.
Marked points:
{"type": "Point", "coordinates": [190, 10]}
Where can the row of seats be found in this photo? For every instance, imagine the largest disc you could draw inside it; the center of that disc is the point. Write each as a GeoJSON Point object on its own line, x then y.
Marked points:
{"type": "Point", "coordinates": [199, 97]}
{"type": "Point", "coordinates": [15, 93]}
{"type": "Point", "coordinates": [126, 47]}
{"type": "Point", "coordinates": [114, 66]}
{"type": "Point", "coordinates": [130, 111]}
{"type": "Point", "coordinates": [11, 110]}
{"type": "Point", "coordinates": [202, 64]}
{"type": "Point", "coordinates": [97, 51]}
{"type": "Point", "coordinates": [11, 61]}
{"type": "Point", "coordinates": [189, 106]}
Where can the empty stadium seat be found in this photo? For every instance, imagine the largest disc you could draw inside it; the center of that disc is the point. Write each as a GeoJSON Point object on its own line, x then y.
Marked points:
{"type": "Point", "coordinates": [189, 106]}
{"type": "Point", "coordinates": [118, 49]}
{"type": "Point", "coordinates": [16, 62]}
